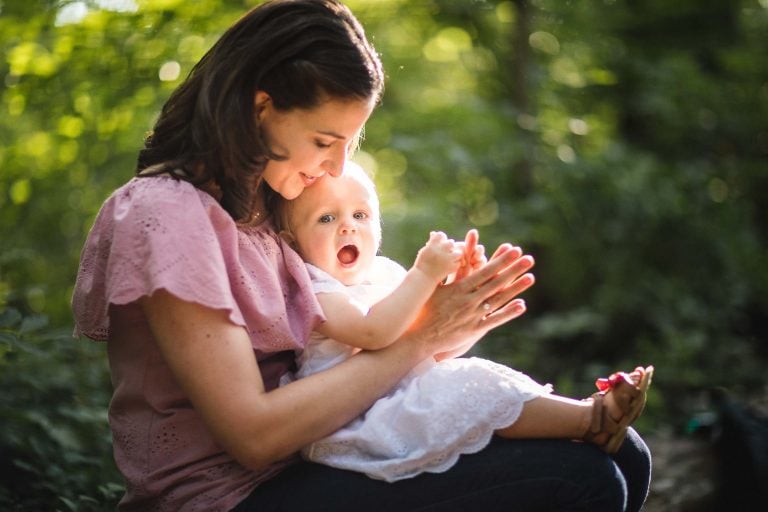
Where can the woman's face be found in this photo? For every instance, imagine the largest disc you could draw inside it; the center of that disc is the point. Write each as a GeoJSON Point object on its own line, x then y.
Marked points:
{"type": "Point", "coordinates": [315, 142]}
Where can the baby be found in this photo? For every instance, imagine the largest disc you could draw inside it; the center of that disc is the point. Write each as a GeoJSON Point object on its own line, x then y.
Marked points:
{"type": "Point", "coordinates": [440, 410]}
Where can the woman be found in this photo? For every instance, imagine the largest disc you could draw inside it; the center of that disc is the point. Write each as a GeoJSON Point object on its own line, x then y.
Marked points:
{"type": "Point", "coordinates": [201, 304]}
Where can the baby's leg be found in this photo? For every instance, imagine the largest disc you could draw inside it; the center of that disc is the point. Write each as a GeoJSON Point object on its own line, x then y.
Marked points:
{"type": "Point", "coordinates": [550, 417]}
{"type": "Point", "coordinates": [602, 419]}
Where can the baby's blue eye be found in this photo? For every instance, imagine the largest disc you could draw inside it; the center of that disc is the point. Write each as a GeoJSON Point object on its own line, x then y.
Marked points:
{"type": "Point", "coordinates": [325, 219]}
{"type": "Point", "coordinates": [361, 215]}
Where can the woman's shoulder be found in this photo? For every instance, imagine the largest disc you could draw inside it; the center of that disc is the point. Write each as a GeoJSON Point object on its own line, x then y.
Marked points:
{"type": "Point", "coordinates": [161, 191]}
{"type": "Point", "coordinates": [161, 201]}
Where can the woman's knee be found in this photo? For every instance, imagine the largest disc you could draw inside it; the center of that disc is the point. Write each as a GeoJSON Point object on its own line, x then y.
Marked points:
{"type": "Point", "coordinates": [602, 484]}
{"type": "Point", "coordinates": [635, 452]}
{"type": "Point", "coordinates": [634, 461]}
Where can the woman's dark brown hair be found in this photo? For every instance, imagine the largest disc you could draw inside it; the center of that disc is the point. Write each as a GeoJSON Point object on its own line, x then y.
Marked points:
{"type": "Point", "coordinates": [298, 51]}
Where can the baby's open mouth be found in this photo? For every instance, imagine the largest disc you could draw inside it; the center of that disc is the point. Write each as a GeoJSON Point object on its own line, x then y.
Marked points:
{"type": "Point", "coordinates": [348, 254]}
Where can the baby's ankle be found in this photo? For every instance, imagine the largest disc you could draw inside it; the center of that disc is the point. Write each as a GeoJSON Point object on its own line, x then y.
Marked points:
{"type": "Point", "coordinates": [590, 417]}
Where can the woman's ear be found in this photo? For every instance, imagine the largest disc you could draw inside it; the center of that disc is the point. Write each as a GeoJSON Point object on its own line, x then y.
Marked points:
{"type": "Point", "coordinates": [261, 102]}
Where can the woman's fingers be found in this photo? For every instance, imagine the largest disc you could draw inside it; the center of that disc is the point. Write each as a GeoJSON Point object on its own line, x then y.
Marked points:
{"type": "Point", "coordinates": [502, 249]}
{"type": "Point", "coordinates": [511, 310]}
{"type": "Point", "coordinates": [470, 246]}
{"type": "Point", "coordinates": [506, 295]}
{"type": "Point", "coordinates": [470, 241]}
{"type": "Point", "coordinates": [495, 287]}
{"type": "Point", "coordinates": [507, 264]}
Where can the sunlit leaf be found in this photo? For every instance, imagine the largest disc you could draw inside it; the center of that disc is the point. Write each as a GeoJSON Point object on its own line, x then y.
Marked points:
{"type": "Point", "coordinates": [20, 191]}
{"type": "Point", "coordinates": [71, 126]}
{"type": "Point", "coordinates": [31, 58]}
{"type": "Point", "coordinates": [447, 45]}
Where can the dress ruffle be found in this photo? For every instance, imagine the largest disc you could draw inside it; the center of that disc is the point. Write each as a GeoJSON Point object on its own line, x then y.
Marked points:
{"type": "Point", "coordinates": [438, 413]}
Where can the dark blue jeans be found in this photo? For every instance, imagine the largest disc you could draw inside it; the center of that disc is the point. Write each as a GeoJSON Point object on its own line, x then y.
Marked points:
{"type": "Point", "coordinates": [508, 475]}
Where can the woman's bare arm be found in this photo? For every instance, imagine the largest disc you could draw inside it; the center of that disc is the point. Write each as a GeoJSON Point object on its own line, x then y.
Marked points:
{"type": "Point", "coordinates": [214, 363]}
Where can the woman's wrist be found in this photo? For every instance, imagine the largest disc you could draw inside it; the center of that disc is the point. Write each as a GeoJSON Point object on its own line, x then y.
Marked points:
{"type": "Point", "coordinates": [416, 346]}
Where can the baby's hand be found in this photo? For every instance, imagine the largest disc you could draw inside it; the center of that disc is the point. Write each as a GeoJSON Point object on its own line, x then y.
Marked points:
{"type": "Point", "coordinates": [440, 256]}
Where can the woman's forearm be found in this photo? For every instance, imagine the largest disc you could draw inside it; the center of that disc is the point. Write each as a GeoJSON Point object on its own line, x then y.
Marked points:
{"type": "Point", "coordinates": [214, 363]}
{"type": "Point", "coordinates": [316, 406]}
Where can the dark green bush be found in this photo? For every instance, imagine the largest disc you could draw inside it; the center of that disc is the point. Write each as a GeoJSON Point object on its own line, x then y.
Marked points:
{"type": "Point", "coordinates": [55, 446]}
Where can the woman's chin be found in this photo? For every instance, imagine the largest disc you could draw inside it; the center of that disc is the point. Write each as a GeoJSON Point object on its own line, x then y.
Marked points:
{"type": "Point", "coordinates": [291, 193]}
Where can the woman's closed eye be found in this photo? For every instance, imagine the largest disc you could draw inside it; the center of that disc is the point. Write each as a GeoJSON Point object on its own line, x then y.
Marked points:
{"type": "Point", "coordinates": [322, 145]}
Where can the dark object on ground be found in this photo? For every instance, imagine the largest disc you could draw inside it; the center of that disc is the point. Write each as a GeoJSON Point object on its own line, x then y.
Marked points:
{"type": "Point", "coordinates": [740, 443]}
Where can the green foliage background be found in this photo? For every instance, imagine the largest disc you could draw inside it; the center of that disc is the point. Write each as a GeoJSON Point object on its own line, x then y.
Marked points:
{"type": "Point", "coordinates": [622, 143]}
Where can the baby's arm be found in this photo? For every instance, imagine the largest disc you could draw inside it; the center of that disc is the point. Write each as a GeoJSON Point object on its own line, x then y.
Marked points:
{"type": "Point", "coordinates": [388, 319]}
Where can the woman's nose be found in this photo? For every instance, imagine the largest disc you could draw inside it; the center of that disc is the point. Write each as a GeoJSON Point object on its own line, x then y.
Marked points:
{"type": "Point", "coordinates": [335, 165]}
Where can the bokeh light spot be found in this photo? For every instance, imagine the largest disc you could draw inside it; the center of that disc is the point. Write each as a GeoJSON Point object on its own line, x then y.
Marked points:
{"type": "Point", "coordinates": [170, 71]}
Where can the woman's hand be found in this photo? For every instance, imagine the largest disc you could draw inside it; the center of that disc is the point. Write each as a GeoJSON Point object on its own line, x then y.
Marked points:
{"type": "Point", "coordinates": [460, 313]}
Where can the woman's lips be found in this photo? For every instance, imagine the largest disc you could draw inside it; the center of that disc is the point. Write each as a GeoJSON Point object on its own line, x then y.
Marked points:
{"type": "Point", "coordinates": [309, 180]}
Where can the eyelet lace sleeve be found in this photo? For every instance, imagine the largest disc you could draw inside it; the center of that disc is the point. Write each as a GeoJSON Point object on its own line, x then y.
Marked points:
{"type": "Point", "coordinates": [161, 233]}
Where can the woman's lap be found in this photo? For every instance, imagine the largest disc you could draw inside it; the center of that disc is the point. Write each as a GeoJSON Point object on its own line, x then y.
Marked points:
{"type": "Point", "coordinates": [521, 475]}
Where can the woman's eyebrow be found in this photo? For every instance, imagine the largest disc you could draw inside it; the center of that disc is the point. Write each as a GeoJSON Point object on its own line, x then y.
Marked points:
{"type": "Point", "coordinates": [331, 134]}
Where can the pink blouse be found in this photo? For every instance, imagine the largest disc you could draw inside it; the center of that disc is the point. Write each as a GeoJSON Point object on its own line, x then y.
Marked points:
{"type": "Point", "coordinates": [157, 233]}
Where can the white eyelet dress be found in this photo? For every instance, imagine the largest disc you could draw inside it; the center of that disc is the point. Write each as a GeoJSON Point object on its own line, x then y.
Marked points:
{"type": "Point", "coordinates": [433, 416]}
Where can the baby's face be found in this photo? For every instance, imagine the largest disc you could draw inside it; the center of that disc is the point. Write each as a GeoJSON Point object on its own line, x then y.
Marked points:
{"type": "Point", "coordinates": [336, 225]}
